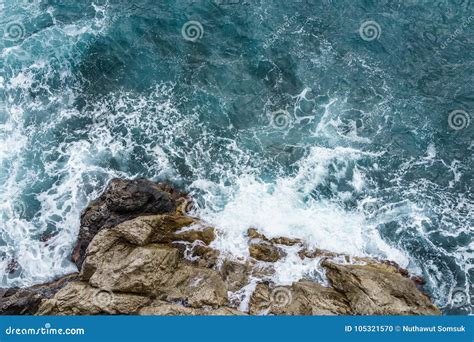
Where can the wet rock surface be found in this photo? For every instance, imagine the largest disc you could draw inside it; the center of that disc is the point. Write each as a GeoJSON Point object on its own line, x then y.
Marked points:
{"type": "Point", "coordinates": [301, 298]}
{"type": "Point", "coordinates": [80, 298]}
{"type": "Point", "coordinates": [26, 301]}
{"type": "Point", "coordinates": [264, 251]}
{"type": "Point", "coordinates": [162, 308]}
{"type": "Point", "coordinates": [376, 289]}
{"type": "Point", "coordinates": [143, 255]}
{"type": "Point", "coordinates": [122, 200]}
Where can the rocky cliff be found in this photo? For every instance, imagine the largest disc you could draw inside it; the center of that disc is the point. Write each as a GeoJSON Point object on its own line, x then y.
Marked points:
{"type": "Point", "coordinates": [138, 252]}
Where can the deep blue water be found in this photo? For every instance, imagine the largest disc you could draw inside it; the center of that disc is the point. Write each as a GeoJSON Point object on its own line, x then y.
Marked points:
{"type": "Point", "coordinates": [347, 123]}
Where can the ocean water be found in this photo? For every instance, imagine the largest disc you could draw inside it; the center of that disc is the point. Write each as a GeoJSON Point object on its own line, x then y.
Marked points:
{"type": "Point", "coordinates": [345, 123]}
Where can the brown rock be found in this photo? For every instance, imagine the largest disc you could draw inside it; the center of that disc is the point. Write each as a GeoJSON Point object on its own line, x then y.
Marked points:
{"type": "Point", "coordinates": [235, 274]}
{"type": "Point", "coordinates": [164, 229]}
{"type": "Point", "coordinates": [185, 206]}
{"type": "Point", "coordinates": [16, 301]}
{"type": "Point", "coordinates": [378, 289]}
{"type": "Point", "coordinates": [264, 251]}
{"type": "Point", "coordinates": [314, 299]}
{"type": "Point", "coordinates": [167, 225]}
{"type": "Point", "coordinates": [114, 264]}
{"type": "Point", "coordinates": [286, 241]}
{"type": "Point", "coordinates": [197, 287]}
{"type": "Point", "coordinates": [205, 256]}
{"type": "Point", "coordinates": [191, 234]}
{"type": "Point", "coordinates": [389, 266]}
{"type": "Point", "coordinates": [154, 269]}
{"type": "Point", "coordinates": [302, 298]}
{"type": "Point", "coordinates": [262, 271]}
{"type": "Point", "coordinates": [138, 231]}
{"type": "Point", "coordinates": [161, 308]}
{"type": "Point", "coordinates": [122, 200]}
{"type": "Point", "coordinates": [253, 233]}
{"type": "Point", "coordinates": [316, 253]}
{"type": "Point", "coordinates": [175, 194]}
{"type": "Point", "coordinates": [25, 301]}
{"type": "Point", "coordinates": [78, 298]}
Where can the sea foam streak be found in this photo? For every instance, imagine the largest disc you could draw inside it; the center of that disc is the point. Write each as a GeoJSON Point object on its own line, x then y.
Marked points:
{"type": "Point", "coordinates": [285, 208]}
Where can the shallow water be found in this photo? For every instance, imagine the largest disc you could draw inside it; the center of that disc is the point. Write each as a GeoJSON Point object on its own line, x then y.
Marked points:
{"type": "Point", "coordinates": [346, 123]}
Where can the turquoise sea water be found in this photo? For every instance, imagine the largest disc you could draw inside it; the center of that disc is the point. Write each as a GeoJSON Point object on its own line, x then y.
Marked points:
{"type": "Point", "coordinates": [346, 123]}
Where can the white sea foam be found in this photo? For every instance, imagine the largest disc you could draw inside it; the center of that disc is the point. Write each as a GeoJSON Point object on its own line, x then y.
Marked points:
{"type": "Point", "coordinates": [26, 214]}
{"type": "Point", "coordinates": [283, 208]}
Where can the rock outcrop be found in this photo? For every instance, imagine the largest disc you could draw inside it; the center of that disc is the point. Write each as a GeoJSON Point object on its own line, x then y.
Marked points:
{"type": "Point", "coordinates": [80, 298]}
{"type": "Point", "coordinates": [138, 253]}
{"type": "Point", "coordinates": [26, 301]}
{"type": "Point", "coordinates": [264, 251]}
{"type": "Point", "coordinates": [375, 289]}
{"type": "Point", "coordinates": [122, 200]}
{"type": "Point", "coordinates": [301, 298]}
